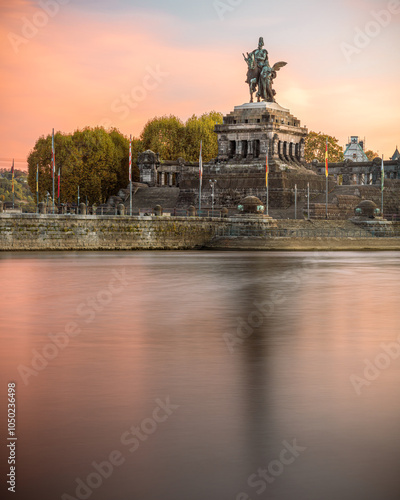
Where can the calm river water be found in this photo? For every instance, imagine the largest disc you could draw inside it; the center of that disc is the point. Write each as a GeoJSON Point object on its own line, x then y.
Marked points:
{"type": "Point", "coordinates": [203, 376]}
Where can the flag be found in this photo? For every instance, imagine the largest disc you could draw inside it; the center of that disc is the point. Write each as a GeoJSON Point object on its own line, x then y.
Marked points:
{"type": "Point", "coordinates": [326, 159]}
{"type": "Point", "coordinates": [12, 175]}
{"type": "Point", "coordinates": [37, 178]}
{"type": "Point", "coordinates": [266, 170]}
{"type": "Point", "coordinates": [130, 159]}
{"type": "Point", "coordinates": [58, 184]}
{"type": "Point", "coordinates": [382, 176]}
{"type": "Point", "coordinates": [201, 163]}
{"type": "Point", "coordinates": [53, 158]}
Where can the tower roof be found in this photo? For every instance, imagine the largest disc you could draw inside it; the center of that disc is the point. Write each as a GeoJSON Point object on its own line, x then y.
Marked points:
{"type": "Point", "coordinates": [354, 151]}
{"type": "Point", "coordinates": [396, 155]}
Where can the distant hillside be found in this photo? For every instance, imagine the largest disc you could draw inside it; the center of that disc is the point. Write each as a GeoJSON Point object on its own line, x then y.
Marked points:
{"type": "Point", "coordinates": [22, 194]}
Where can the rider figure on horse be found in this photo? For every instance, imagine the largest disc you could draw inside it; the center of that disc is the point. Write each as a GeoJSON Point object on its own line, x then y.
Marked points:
{"type": "Point", "coordinates": [261, 55]}
{"type": "Point", "coordinates": [260, 74]}
{"type": "Point", "coordinates": [264, 78]}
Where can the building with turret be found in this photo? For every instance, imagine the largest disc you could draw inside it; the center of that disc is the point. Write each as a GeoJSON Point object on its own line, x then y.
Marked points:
{"type": "Point", "coordinates": [396, 155]}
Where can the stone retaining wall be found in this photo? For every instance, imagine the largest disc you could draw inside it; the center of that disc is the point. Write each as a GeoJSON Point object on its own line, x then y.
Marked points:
{"type": "Point", "coordinates": [63, 232]}
{"type": "Point", "coordinates": [49, 232]}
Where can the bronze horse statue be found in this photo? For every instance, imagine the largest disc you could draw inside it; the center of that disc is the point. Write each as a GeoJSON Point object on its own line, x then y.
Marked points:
{"type": "Point", "coordinates": [261, 78]}
{"type": "Point", "coordinates": [253, 73]}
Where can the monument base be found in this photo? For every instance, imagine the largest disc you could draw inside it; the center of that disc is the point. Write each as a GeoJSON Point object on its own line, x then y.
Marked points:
{"type": "Point", "coordinates": [254, 128]}
{"type": "Point", "coordinates": [262, 105]}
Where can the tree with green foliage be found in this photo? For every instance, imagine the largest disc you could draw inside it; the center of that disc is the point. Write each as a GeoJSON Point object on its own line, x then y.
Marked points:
{"type": "Point", "coordinates": [171, 138]}
{"type": "Point", "coordinates": [202, 129]}
{"type": "Point", "coordinates": [97, 160]}
{"type": "Point", "coordinates": [122, 148]}
{"type": "Point", "coordinates": [164, 135]}
{"type": "Point", "coordinates": [315, 148]}
{"type": "Point", "coordinates": [92, 158]}
{"type": "Point", "coordinates": [22, 194]}
{"type": "Point", "coordinates": [96, 171]}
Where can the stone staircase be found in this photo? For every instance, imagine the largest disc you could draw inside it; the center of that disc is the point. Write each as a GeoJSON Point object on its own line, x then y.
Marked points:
{"type": "Point", "coordinates": [167, 197]}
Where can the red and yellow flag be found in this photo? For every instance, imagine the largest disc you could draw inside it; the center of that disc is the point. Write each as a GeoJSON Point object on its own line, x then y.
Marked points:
{"type": "Point", "coordinates": [326, 159]}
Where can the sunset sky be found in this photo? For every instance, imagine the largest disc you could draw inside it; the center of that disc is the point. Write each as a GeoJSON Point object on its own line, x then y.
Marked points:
{"type": "Point", "coordinates": [121, 62]}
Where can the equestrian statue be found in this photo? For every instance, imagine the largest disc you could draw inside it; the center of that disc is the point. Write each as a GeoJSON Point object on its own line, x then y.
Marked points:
{"type": "Point", "coordinates": [260, 75]}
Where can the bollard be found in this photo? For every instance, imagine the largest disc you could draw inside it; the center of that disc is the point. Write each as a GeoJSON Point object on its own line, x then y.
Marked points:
{"type": "Point", "coordinates": [42, 208]}
{"type": "Point", "coordinates": [158, 211]}
{"type": "Point", "coordinates": [82, 209]}
{"type": "Point", "coordinates": [94, 209]}
{"type": "Point", "coordinates": [192, 211]}
{"type": "Point", "coordinates": [1, 207]}
{"type": "Point", "coordinates": [121, 209]}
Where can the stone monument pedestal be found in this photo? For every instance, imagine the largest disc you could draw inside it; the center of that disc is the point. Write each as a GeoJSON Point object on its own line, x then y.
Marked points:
{"type": "Point", "coordinates": [253, 128]}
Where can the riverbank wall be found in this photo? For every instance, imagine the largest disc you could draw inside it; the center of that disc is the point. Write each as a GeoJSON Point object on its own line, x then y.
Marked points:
{"type": "Point", "coordinates": [26, 232]}
{"type": "Point", "coordinates": [90, 232]}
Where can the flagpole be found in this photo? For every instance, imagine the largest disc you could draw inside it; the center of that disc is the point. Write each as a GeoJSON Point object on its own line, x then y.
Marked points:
{"type": "Point", "coordinates": [295, 201]}
{"type": "Point", "coordinates": [326, 201]}
{"type": "Point", "coordinates": [266, 182]}
{"type": "Point", "coordinates": [200, 175]}
{"type": "Point", "coordinates": [59, 186]}
{"type": "Point", "coordinates": [53, 166]}
{"type": "Point", "coordinates": [130, 174]}
{"type": "Point", "coordinates": [308, 200]}
{"type": "Point", "coordinates": [37, 188]}
{"type": "Point", "coordinates": [382, 185]}
{"type": "Point", "coordinates": [326, 175]}
{"type": "Point", "coordinates": [200, 199]}
{"type": "Point", "coordinates": [12, 181]}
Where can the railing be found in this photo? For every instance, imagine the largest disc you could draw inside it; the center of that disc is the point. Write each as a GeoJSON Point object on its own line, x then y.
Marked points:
{"type": "Point", "coordinates": [178, 212]}
{"type": "Point", "coordinates": [142, 212]}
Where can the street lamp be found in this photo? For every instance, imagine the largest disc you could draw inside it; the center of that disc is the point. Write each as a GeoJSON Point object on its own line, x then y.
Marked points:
{"type": "Point", "coordinates": [212, 184]}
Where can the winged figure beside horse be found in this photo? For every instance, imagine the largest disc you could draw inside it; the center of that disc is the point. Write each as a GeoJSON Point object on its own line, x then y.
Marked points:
{"type": "Point", "coordinates": [260, 75]}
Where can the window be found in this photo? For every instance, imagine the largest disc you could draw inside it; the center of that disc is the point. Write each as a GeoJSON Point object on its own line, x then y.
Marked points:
{"type": "Point", "coordinates": [244, 148]}
{"type": "Point", "coordinates": [232, 148]}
